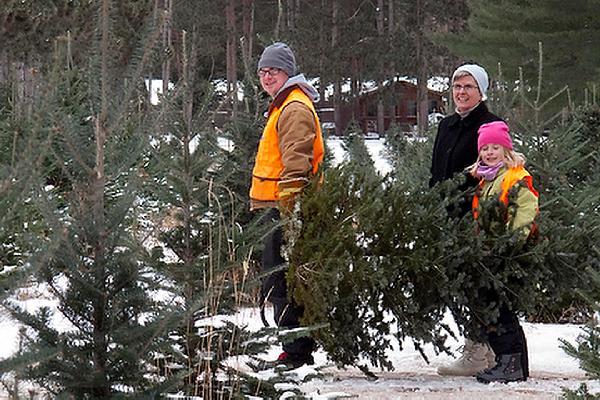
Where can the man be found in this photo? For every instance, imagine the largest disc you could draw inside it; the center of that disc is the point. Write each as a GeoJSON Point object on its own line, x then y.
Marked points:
{"type": "Point", "coordinates": [455, 149]}
{"type": "Point", "coordinates": [289, 154]}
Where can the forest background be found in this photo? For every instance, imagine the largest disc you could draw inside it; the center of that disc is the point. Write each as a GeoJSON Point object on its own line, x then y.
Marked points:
{"type": "Point", "coordinates": [133, 217]}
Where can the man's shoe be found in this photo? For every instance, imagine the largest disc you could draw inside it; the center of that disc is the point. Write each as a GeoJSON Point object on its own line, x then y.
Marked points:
{"type": "Point", "coordinates": [475, 358]}
{"type": "Point", "coordinates": [292, 360]}
{"type": "Point", "coordinates": [507, 369]}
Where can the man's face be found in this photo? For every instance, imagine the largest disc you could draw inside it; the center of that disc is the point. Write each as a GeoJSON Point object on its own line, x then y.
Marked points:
{"type": "Point", "coordinates": [272, 79]}
{"type": "Point", "coordinates": [465, 93]}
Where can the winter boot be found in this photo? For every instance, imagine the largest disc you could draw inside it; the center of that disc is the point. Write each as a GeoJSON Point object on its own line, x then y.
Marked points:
{"type": "Point", "coordinates": [475, 358]}
{"type": "Point", "coordinates": [524, 356]}
{"type": "Point", "coordinates": [292, 360]}
{"type": "Point", "coordinates": [285, 361]}
{"type": "Point", "coordinates": [507, 369]}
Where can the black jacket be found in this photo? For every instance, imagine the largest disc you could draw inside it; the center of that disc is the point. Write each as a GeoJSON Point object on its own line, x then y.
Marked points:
{"type": "Point", "coordinates": [455, 147]}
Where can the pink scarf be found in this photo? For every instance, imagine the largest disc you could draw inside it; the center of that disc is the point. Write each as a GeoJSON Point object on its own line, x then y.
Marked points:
{"type": "Point", "coordinates": [488, 172]}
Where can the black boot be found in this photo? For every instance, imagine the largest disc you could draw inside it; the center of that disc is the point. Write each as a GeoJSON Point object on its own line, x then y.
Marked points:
{"type": "Point", "coordinates": [524, 355]}
{"type": "Point", "coordinates": [508, 368]}
{"type": "Point", "coordinates": [291, 360]}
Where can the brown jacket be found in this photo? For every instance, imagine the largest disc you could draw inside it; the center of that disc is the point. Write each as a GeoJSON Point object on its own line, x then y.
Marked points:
{"type": "Point", "coordinates": [297, 132]}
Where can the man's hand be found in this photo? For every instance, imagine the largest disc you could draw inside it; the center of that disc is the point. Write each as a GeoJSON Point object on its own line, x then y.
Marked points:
{"type": "Point", "coordinates": [288, 191]}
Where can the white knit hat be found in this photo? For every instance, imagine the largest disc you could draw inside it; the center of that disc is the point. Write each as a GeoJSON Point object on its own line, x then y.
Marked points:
{"type": "Point", "coordinates": [480, 76]}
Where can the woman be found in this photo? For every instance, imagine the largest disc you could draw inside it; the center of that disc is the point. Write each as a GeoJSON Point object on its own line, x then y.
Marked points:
{"type": "Point", "coordinates": [454, 150]}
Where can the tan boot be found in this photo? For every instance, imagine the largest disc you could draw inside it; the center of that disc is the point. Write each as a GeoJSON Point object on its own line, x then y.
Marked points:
{"type": "Point", "coordinates": [475, 358]}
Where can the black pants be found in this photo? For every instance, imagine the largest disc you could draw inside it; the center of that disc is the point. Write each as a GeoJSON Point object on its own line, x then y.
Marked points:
{"type": "Point", "coordinates": [506, 336]}
{"type": "Point", "coordinates": [274, 288]}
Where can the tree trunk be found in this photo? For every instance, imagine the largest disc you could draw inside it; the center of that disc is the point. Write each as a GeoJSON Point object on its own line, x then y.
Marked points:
{"type": "Point", "coordinates": [98, 183]}
{"type": "Point", "coordinates": [337, 87]}
{"type": "Point", "coordinates": [247, 47]}
{"type": "Point", "coordinates": [248, 28]}
{"type": "Point", "coordinates": [231, 55]}
{"type": "Point", "coordinates": [422, 75]}
{"type": "Point", "coordinates": [355, 83]}
{"type": "Point", "coordinates": [167, 44]}
{"type": "Point", "coordinates": [423, 101]}
{"type": "Point", "coordinates": [277, 31]}
{"type": "Point", "coordinates": [380, 33]}
{"type": "Point", "coordinates": [291, 17]}
{"type": "Point", "coordinates": [380, 116]}
{"type": "Point", "coordinates": [380, 17]}
{"type": "Point", "coordinates": [391, 19]}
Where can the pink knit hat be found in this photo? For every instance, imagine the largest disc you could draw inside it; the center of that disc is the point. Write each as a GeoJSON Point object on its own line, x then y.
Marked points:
{"type": "Point", "coordinates": [494, 133]}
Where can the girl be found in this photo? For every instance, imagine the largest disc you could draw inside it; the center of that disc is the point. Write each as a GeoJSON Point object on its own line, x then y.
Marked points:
{"type": "Point", "coordinates": [499, 168]}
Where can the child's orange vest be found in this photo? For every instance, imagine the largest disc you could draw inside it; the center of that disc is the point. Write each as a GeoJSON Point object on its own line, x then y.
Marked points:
{"type": "Point", "coordinates": [513, 175]}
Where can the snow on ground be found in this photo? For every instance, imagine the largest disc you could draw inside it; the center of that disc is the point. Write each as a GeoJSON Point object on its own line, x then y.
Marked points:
{"type": "Point", "coordinates": [551, 370]}
{"type": "Point", "coordinates": [412, 378]}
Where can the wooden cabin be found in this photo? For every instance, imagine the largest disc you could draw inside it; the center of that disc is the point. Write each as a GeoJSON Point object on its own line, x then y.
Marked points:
{"type": "Point", "coordinates": [399, 100]}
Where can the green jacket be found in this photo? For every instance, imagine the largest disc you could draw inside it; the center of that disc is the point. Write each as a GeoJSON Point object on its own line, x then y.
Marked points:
{"type": "Point", "coordinates": [520, 212]}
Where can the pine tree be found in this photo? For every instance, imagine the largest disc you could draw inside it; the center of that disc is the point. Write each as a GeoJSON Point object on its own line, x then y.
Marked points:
{"type": "Point", "coordinates": [88, 186]}
{"type": "Point", "coordinates": [586, 349]}
{"type": "Point", "coordinates": [353, 269]}
{"type": "Point", "coordinates": [568, 33]}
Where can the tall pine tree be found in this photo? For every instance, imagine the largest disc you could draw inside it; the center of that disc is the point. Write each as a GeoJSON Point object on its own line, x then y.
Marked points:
{"type": "Point", "coordinates": [568, 33]}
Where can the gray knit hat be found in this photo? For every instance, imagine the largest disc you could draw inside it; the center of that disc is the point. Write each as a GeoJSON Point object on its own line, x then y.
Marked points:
{"type": "Point", "coordinates": [278, 55]}
{"type": "Point", "coordinates": [479, 74]}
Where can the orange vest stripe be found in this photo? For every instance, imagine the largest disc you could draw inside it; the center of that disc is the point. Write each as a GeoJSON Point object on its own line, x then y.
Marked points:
{"type": "Point", "coordinates": [513, 176]}
{"type": "Point", "coordinates": [268, 165]}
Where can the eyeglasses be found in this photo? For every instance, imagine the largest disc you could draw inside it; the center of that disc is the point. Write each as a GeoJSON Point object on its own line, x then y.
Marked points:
{"type": "Point", "coordinates": [270, 71]}
{"type": "Point", "coordinates": [467, 88]}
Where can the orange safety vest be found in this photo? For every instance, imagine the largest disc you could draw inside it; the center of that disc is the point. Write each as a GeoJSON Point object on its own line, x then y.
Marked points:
{"type": "Point", "coordinates": [513, 175]}
{"type": "Point", "coordinates": [268, 165]}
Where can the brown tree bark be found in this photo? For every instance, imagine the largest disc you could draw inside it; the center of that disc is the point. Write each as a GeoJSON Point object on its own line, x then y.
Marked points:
{"type": "Point", "coordinates": [337, 87]}
{"type": "Point", "coordinates": [167, 8]}
{"type": "Point", "coordinates": [422, 70]}
{"type": "Point", "coordinates": [97, 187]}
{"type": "Point", "coordinates": [391, 19]}
{"type": "Point", "coordinates": [247, 28]}
{"type": "Point", "coordinates": [247, 48]}
{"type": "Point", "coordinates": [277, 31]}
{"type": "Point", "coordinates": [231, 55]}
{"type": "Point", "coordinates": [380, 105]}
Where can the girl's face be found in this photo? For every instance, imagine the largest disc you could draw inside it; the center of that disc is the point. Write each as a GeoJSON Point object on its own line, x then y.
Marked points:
{"type": "Point", "coordinates": [492, 154]}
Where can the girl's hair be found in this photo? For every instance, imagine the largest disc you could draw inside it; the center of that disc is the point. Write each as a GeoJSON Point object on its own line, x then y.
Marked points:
{"type": "Point", "coordinates": [511, 159]}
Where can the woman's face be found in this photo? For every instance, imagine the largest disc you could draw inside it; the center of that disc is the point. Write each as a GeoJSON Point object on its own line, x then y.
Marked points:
{"type": "Point", "coordinates": [465, 93]}
{"type": "Point", "coordinates": [492, 154]}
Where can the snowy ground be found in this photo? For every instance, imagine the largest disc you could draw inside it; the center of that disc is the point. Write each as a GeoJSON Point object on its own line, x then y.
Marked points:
{"type": "Point", "coordinates": [412, 378]}
{"type": "Point", "coordinates": [550, 368]}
